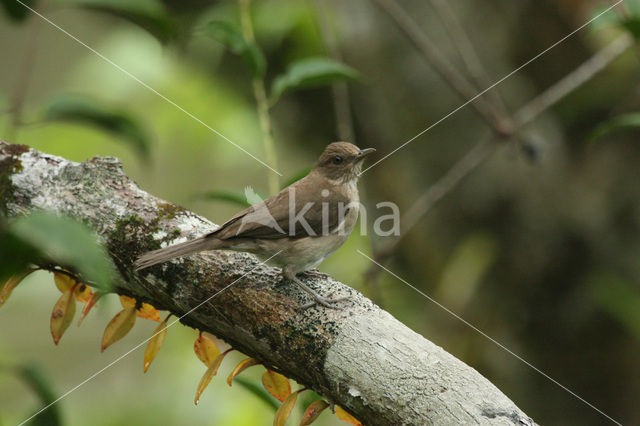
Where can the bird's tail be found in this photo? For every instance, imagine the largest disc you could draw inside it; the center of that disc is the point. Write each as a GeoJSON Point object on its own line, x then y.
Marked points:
{"type": "Point", "coordinates": [162, 255]}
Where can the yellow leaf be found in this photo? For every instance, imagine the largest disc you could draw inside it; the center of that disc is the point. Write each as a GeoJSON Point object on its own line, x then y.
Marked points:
{"type": "Point", "coordinates": [65, 282]}
{"type": "Point", "coordinates": [94, 299]}
{"type": "Point", "coordinates": [276, 384]}
{"type": "Point", "coordinates": [208, 375]}
{"type": "Point", "coordinates": [127, 302]}
{"type": "Point", "coordinates": [155, 343]}
{"type": "Point", "coordinates": [243, 365]}
{"type": "Point", "coordinates": [118, 327]}
{"type": "Point", "coordinates": [206, 349]}
{"type": "Point", "coordinates": [145, 311]}
{"type": "Point", "coordinates": [313, 411]}
{"type": "Point", "coordinates": [285, 410]}
{"type": "Point", "coordinates": [12, 282]}
{"type": "Point", "coordinates": [346, 417]}
{"type": "Point", "coordinates": [62, 315]}
{"type": "Point", "coordinates": [84, 293]}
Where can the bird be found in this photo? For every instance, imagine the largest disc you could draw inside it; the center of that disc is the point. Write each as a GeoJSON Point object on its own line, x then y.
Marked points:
{"type": "Point", "coordinates": [297, 228]}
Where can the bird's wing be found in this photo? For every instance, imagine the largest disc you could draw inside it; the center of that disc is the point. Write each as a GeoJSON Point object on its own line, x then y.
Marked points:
{"type": "Point", "coordinates": [270, 218]}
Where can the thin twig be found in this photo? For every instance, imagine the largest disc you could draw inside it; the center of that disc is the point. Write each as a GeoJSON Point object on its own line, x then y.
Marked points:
{"type": "Point", "coordinates": [467, 52]}
{"type": "Point", "coordinates": [481, 152]}
{"type": "Point", "coordinates": [500, 124]}
{"type": "Point", "coordinates": [262, 102]}
{"type": "Point", "coordinates": [575, 79]}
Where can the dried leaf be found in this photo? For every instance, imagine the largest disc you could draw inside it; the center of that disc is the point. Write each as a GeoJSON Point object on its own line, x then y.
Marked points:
{"type": "Point", "coordinates": [62, 315]}
{"type": "Point", "coordinates": [94, 299]}
{"type": "Point", "coordinates": [285, 410]}
{"type": "Point", "coordinates": [118, 327]}
{"type": "Point", "coordinates": [313, 411]}
{"type": "Point", "coordinates": [12, 282]}
{"type": "Point", "coordinates": [276, 384]}
{"type": "Point", "coordinates": [346, 417]}
{"type": "Point", "coordinates": [64, 282]}
{"type": "Point", "coordinates": [155, 343]}
{"type": "Point", "coordinates": [206, 349]}
{"type": "Point", "coordinates": [145, 311]}
{"type": "Point", "coordinates": [208, 375]}
{"type": "Point", "coordinates": [243, 365]}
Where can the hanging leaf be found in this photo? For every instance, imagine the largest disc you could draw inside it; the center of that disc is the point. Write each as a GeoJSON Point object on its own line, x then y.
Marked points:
{"type": "Point", "coordinates": [313, 411]}
{"type": "Point", "coordinates": [10, 284]}
{"type": "Point", "coordinates": [243, 365]}
{"type": "Point", "coordinates": [145, 310]}
{"type": "Point", "coordinates": [230, 197]}
{"type": "Point", "coordinates": [285, 409]}
{"type": "Point", "coordinates": [232, 39]}
{"type": "Point", "coordinates": [62, 315]}
{"type": "Point", "coordinates": [622, 122]}
{"type": "Point", "coordinates": [80, 110]}
{"type": "Point", "coordinates": [150, 15]}
{"type": "Point", "coordinates": [155, 343]}
{"type": "Point", "coordinates": [276, 384]}
{"type": "Point", "coordinates": [206, 350]}
{"type": "Point", "coordinates": [66, 242]}
{"type": "Point", "coordinates": [15, 11]}
{"type": "Point", "coordinates": [64, 282]}
{"type": "Point", "coordinates": [118, 327]}
{"type": "Point", "coordinates": [89, 305]}
{"type": "Point", "coordinates": [346, 417]}
{"type": "Point", "coordinates": [208, 375]}
{"type": "Point", "coordinates": [311, 72]}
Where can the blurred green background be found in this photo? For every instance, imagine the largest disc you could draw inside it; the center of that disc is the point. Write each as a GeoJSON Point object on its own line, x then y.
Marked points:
{"type": "Point", "coordinates": [539, 251]}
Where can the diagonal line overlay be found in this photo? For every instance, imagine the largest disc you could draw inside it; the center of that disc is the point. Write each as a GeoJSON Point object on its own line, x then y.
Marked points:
{"type": "Point", "coordinates": [142, 83]}
{"type": "Point", "coordinates": [88, 379]}
{"type": "Point", "coordinates": [493, 85]}
{"type": "Point", "coordinates": [500, 345]}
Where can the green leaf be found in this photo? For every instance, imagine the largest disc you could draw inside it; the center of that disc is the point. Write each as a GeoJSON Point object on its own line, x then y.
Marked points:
{"type": "Point", "coordinates": [311, 72]}
{"type": "Point", "coordinates": [150, 15]}
{"type": "Point", "coordinates": [15, 11]}
{"type": "Point", "coordinates": [622, 122]}
{"type": "Point", "coordinates": [230, 197]}
{"type": "Point", "coordinates": [232, 39]}
{"type": "Point", "coordinates": [36, 379]}
{"type": "Point", "coordinates": [632, 25]}
{"type": "Point", "coordinates": [67, 243]}
{"type": "Point", "coordinates": [296, 177]}
{"type": "Point", "coordinates": [15, 254]}
{"type": "Point", "coordinates": [90, 112]}
{"type": "Point", "coordinates": [258, 391]}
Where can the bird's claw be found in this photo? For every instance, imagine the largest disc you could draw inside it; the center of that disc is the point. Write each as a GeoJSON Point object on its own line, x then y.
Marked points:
{"type": "Point", "coordinates": [325, 301]}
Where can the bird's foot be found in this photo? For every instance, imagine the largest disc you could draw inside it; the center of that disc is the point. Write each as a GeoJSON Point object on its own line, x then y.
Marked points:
{"type": "Point", "coordinates": [318, 300]}
{"type": "Point", "coordinates": [314, 273]}
{"type": "Point", "coordinates": [327, 302]}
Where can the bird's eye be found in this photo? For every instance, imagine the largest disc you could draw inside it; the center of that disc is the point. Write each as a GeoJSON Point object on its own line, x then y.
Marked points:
{"type": "Point", "coordinates": [336, 159]}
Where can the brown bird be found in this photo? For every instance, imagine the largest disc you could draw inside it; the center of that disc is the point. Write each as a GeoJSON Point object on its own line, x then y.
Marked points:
{"type": "Point", "coordinates": [298, 227]}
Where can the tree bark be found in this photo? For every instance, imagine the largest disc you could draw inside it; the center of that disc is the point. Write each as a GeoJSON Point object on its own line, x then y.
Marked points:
{"type": "Point", "coordinates": [360, 357]}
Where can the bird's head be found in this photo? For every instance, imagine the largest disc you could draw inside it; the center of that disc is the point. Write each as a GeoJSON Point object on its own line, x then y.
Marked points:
{"type": "Point", "coordinates": [342, 161]}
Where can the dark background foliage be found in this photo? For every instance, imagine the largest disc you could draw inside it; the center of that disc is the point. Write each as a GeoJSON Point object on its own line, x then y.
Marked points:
{"type": "Point", "coordinates": [538, 246]}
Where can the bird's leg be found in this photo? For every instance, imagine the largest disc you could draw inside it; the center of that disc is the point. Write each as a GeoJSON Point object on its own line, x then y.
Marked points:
{"type": "Point", "coordinates": [315, 273]}
{"type": "Point", "coordinates": [324, 301]}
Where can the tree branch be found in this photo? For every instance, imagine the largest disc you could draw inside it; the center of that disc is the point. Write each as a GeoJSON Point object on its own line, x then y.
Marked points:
{"type": "Point", "coordinates": [360, 358]}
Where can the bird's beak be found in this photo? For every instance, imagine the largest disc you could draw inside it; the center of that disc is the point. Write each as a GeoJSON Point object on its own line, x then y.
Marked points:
{"type": "Point", "coordinates": [364, 152]}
